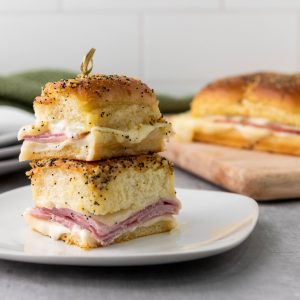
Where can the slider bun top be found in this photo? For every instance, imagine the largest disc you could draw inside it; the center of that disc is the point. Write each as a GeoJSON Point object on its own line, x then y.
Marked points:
{"type": "Point", "coordinates": [98, 100]}
{"type": "Point", "coordinates": [271, 96]}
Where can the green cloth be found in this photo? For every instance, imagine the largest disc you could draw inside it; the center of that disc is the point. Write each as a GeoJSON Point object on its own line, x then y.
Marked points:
{"type": "Point", "coordinates": [20, 89]}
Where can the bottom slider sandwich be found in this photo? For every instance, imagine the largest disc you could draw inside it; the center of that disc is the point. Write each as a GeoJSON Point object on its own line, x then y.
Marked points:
{"type": "Point", "coordinates": [94, 204]}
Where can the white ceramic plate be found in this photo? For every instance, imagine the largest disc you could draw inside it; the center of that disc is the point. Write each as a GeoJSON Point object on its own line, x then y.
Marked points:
{"type": "Point", "coordinates": [12, 165]}
{"type": "Point", "coordinates": [210, 223]}
{"type": "Point", "coordinates": [12, 119]}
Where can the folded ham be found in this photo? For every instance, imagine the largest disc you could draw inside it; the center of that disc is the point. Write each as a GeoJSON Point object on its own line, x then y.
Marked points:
{"type": "Point", "coordinates": [46, 138]}
{"type": "Point", "coordinates": [105, 234]}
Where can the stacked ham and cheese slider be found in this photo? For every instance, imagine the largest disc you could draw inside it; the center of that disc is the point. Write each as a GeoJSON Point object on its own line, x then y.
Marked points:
{"type": "Point", "coordinates": [96, 179]}
{"type": "Point", "coordinates": [258, 111]}
{"type": "Point", "coordinates": [94, 117]}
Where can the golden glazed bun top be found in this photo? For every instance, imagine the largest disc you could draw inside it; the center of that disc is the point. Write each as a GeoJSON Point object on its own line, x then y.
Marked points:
{"type": "Point", "coordinates": [271, 96]}
{"type": "Point", "coordinates": [112, 101]}
{"type": "Point", "coordinates": [98, 87]}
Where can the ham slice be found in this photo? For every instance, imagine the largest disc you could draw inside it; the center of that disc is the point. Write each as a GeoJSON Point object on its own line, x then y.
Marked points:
{"type": "Point", "coordinates": [46, 138]}
{"type": "Point", "coordinates": [270, 126]}
{"type": "Point", "coordinates": [105, 234]}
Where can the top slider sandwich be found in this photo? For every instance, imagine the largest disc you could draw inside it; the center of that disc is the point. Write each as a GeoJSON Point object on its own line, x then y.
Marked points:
{"type": "Point", "coordinates": [94, 117]}
{"type": "Point", "coordinates": [257, 111]}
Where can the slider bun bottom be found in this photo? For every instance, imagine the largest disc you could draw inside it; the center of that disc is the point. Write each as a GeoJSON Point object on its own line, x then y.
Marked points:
{"type": "Point", "coordinates": [159, 227]}
{"type": "Point", "coordinates": [71, 239]}
{"type": "Point", "coordinates": [233, 138]}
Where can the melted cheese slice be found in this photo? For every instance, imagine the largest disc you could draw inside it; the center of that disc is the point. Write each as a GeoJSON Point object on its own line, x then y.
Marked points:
{"type": "Point", "coordinates": [135, 135]}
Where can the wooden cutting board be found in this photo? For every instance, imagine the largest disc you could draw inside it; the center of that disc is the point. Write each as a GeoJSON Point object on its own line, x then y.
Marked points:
{"type": "Point", "coordinates": [262, 176]}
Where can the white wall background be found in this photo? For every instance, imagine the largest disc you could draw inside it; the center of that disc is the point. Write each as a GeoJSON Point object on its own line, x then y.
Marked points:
{"type": "Point", "coordinates": [174, 45]}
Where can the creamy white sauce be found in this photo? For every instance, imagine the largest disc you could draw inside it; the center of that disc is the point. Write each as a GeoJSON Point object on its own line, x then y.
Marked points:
{"type": "Point", "coordinates": [69, 129]}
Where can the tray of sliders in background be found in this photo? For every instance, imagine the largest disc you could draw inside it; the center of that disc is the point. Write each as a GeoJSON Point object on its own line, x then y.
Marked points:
{"type": "Point", "coordinates": [243, 133]}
